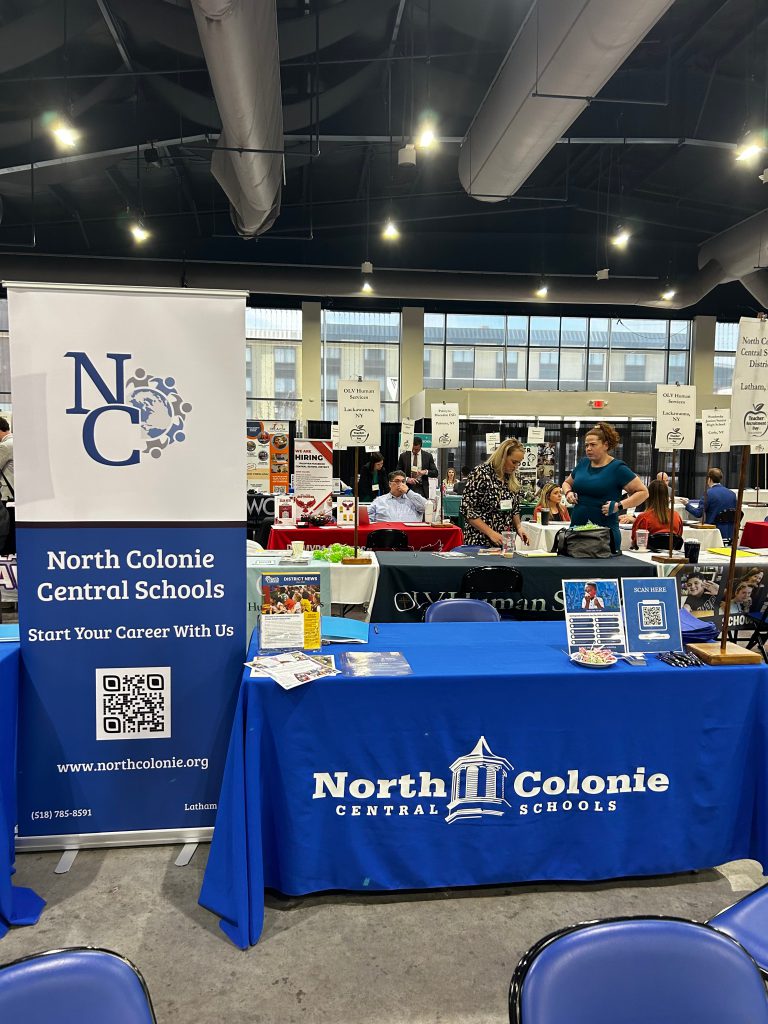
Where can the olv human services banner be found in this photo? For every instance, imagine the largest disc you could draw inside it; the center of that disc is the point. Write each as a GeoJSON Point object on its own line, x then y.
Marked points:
{"type": "Point", "coordinates": [128, 408]}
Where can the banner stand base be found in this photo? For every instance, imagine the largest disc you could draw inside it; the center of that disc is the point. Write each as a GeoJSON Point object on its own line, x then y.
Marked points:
{"type": "Point", "coordinates": [672, 559]}
{"type": "Point", "coordinates": [356, 561]}
{"type": "Point", "coordinates": [712, 654]}
{"type": "Point", "coordinates": [98, 840]}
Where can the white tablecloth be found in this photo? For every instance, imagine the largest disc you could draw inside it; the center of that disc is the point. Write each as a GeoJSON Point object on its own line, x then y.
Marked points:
{"type": "Point", "coordinates": [543, 537]}
{"type": "Point", "coordinates": [667, 568]}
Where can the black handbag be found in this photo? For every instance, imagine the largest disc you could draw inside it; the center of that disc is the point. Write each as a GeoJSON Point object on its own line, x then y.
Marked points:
{"type": "Point", "coordinates": [597, 543]}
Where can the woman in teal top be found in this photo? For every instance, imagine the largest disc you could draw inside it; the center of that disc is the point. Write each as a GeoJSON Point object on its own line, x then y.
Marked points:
{"type": "Point", "coordinates": [595, 486]}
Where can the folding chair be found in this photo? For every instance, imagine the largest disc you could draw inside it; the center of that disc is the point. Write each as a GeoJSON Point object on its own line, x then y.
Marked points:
{"type": "Point", "coordinates": [660, 542]}
{"type": "Point", "coordinates": [760, 636]}
{"type": "Point", "coordinates": [725, 522]}
{"type": "Point", "coordinates": [636, 971]}
{"type": "Point", "coordinates": [387, 540]}
{"type": "Point", "coordinates": [493, 583]}
{"type": "Point", "coordinates": [82, 985]}
{"type": "Point", "coordinates": [461, 609]}
{"type": "Point", "coordinates": [746, 921]}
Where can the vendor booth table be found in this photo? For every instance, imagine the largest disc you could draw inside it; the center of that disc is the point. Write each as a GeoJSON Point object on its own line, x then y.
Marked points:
{"type": "Point", "coordinates": [420, 535]}
{"type": "Point", "coordinates": [496, 760]}
{"type": "Point", "coordinates": [409, 581]}
{"type": "Point", "coordinates": [542, 538]}
{"type": "Point", "coordinates": [17, 905]}
{"type": "Point", "coordinates": [755, 535]}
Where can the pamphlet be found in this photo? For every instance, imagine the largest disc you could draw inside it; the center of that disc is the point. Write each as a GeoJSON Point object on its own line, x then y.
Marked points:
{"type": "Point", "coordinates": [651, 615]}
{"type": "Point", "coordinates": [593, 615]}
{"type": "Point", "coordinates": [292, 668]}
{"type": "Point", "coordinates": [375, 663]}
{"type": "Point", "coordinates": [290, 610]}
{"type": "Point", "coordinates": [336, 630]}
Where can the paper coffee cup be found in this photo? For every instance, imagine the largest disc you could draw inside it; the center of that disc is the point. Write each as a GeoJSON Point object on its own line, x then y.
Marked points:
{"type": "Point", "coordinates": [297, 547]}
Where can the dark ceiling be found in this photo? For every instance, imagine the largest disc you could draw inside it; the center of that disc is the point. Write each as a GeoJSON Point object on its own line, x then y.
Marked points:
{"type": "Point", "coordinates": [131, 72]}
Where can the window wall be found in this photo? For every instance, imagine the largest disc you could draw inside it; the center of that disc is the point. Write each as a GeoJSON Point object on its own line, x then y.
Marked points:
{"type": "Point", "coordinates": [359, 344]}
{"type": "Point", "coordinates": [273, 363]}
{"type": "Point", "coordinates": [726, 339]}
{"type": "Point", "coordinates": [549, 353]}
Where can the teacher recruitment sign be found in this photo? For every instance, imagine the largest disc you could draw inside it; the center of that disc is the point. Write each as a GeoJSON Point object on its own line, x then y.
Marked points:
{"type": "Point", "coordinates": [749, 397]}
{"type": "Point", "coordinates": [131, 539]}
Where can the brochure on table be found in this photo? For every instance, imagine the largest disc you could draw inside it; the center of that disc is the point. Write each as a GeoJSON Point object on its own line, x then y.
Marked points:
{"type": "Point", "coordinates": [593, 615]}
{"type": "Point", "coordinates": [291, 603]}
{"type": "Point", "coordinates": [651, 615]}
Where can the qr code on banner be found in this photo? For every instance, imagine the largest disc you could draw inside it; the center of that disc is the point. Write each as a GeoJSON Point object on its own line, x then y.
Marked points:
{"type": "Point", "coordinates": [133, 703]}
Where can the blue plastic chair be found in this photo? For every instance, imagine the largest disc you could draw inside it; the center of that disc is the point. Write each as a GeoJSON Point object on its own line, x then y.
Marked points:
{"type": "Point", "coordinates": [74, 986]}
{"type": "Point", "coordinates": [637, 971]}
{"type": "Point", "coordinates": [747, 922]}
{"type": "Point", "coordinates": [461, 609]}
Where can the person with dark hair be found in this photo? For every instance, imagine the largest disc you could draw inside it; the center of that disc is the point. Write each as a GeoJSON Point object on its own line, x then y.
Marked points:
{"type": "Point", "coordinates": [655, 518]}
{"type": "Point", "coordinates": [594, 488]}
{"type": "Point", "coordinates": [372, 481]}
{"type": "Point", "coordinates": [459, 488]}
{"type": "Point", "coordinates": [699, 593]}
{"type": "Point", "coordinates": [717, 498]}
{"type": "Point", "coordinates": [418, 467]}
{"type": "Point", "coordinates": [400, 505]}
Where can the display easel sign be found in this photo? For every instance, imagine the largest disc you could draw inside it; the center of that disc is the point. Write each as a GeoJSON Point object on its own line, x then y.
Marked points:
{"type": "Point", "coordinates": [651, 615]}
{"type": "Point", "coordinates": [445, 425]}
{"type": "Point", "coordinates": [313, 475]}
{"type": "Point", "coordinates": [337, 446]}
{"type": "Point", "coordinates": [536, 435]}
{"type": "Point", "coordinates": [345, 510]}
{"type": "Point", "coordinates": [593, 615]}
{"type": "Point", "coordinates": [359, 412]}
{"type": "Point", "coordinates": [492, 441]}
{"type": "Point", "coordinates": [675, 417]}
{"type": "Point", "coordinates": [749, 397]}
{"type": "Point", "coordinates": [290, 611]}
{"type": "Point", "coordinates": [715, 430]}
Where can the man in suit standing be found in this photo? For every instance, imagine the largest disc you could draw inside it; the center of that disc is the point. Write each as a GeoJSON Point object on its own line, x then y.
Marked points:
{"type": "Point", "coordinates": [418, 467]}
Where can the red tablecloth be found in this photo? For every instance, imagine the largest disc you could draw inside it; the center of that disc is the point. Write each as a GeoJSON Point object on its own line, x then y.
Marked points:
{"type": "Point", "coordinates": [420, 535]}
{"type": "Point", "coordinates": [755, 535]}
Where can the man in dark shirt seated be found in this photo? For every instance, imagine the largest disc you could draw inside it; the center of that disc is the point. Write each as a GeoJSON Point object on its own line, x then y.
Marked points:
{"type": "Point", "coordinates": [716, 499]}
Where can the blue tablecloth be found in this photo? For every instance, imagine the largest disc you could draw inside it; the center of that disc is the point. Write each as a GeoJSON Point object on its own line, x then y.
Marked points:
{"type": "Point", "coordinates": [497, 760]}
{"type": "Point", "coordinates": [17, 905]}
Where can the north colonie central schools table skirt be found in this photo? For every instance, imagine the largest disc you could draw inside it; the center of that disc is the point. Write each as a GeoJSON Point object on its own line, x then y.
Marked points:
{"type": "Point", "coordinates": [497, 760]}
{"type": "Point", "coordinates": [409, 581]}
{"type": "Point", "coordinates": [420, 535]}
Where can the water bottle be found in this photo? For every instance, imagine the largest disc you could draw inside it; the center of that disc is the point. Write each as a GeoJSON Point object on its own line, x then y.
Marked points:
{"type": "Point", "coordinates": [429, 512]}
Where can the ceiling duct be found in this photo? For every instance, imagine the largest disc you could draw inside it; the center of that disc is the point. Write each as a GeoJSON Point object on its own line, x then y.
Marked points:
{"type": "Point", "coordinates": [239, 40]}
{"type": "Point", "coordinates": [565, 51]}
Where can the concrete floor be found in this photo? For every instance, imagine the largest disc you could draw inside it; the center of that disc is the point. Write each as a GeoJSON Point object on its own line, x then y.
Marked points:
{"type": "Point", "coordinates": [425, 958]}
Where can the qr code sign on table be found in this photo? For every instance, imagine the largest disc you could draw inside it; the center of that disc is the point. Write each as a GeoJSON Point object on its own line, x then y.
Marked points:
{"type": "Point", "coordinates": [133, 703]}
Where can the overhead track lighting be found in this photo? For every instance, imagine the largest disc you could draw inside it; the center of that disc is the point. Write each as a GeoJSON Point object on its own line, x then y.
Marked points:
{"type": "Point", "coordinates": [139, 232]}
{"type": "Point", "coordinates": [390, 231]}
{"type": "Point", "coordinates": [621, 239]}
{"type": "Point", "coordinates": [668, 294]}
{"type": "Point", "coordinates": [64, 133]}
{"type": "Point", "coordinates": [367, 287]}
{"type": "Point", "coordinates": [426, 138]}
{"type": "Point", "coordinates": [542, 291]}
{"type": "Point", "coordinates": [750, 148]}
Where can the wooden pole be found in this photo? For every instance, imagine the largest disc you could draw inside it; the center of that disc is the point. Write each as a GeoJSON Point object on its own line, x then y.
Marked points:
{"type": "Point", "coordinates": [672, 504]}
{"type": "Point", "coordinates": [734, 546]}
{"type": "Point", "coordinates": [356, 492]}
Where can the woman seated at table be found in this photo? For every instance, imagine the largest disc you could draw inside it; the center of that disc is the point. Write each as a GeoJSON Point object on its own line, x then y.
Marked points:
{"type": "Point", "coordinates": [450, 481]}
{"type": "Point", "coordinates": [372, 481]}
{"type": "Point", "coordinates": [490, 503]}
{"type": "Point", "coordinates": [551, 500]}
{"type": "Point", "coordinates": [594, 488]}
{"type": "Point", "coordinates": [655, 518]}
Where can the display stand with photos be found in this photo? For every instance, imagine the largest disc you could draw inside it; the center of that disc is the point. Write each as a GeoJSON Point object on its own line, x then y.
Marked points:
{"type": "Point", "coordinates": [749, 427]}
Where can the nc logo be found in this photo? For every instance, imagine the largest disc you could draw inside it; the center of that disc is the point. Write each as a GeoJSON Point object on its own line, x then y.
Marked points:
{"type": "Point", "coordinates": [151, 402]}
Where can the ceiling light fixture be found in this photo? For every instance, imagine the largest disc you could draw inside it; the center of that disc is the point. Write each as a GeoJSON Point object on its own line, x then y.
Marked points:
{"type": "Point", "coordinates": [668, 294]}
{"type": "Point", "coordinates": [426, 138]}
{"type": "Point", "coordinates": [542, 291]}
{"type": "Point", "coordinates": [367, 287]}
{"type": "Point", "coordinates": [621, 238]}
{"type": "Point", "coordinates": [750, 148]}
{"type": "Point", "coordinates": [65, 134]}
{"type": "Point", "coordinates": [390, 231]}
{"type": "Point", "coordinates": [139, 232]}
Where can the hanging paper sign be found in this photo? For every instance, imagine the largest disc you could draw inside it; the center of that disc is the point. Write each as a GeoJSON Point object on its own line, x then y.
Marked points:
{"type": "Point", "coordinates": [406, 434]}
{"type": "Point", "coordinates": [675, 417]}
{"type": "Point", "coordinates": [715, 430]}
{"type": "Point", "coordinates": [492, 441]}
{"type": "Point", "coordinates": [371, 448]}
{"type": "Point", "coordinates": [536, 435]}
{"type": "Point", "coordinates": [445, 425]}
{"type": "Point", "coordinates": [749, 396]}
{"type": "Point", "coordinates": [337, 447]}
{"type": "Point", "coordinates": [359, 412]}
{"type": "Point", "coordinates": [313, 475]}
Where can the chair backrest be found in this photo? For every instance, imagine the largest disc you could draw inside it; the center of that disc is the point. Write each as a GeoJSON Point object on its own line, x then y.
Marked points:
{"type": "Point", "coordinates": [492, 579]}
{"type": "Point", "coordinates": [74, 986]}
{"type": "Point", "coordinates": [660, 542]}
{"type": "Point", "coordinates": [387, 539]}
{"type": "Point", "coordinates": [728, 515]}
{"type": "Point", "coordinates": [363, 518]}
{"type": "Point", "coordinates": [461, 609]}
{"type": "Point", "coordinates": [631, 970]}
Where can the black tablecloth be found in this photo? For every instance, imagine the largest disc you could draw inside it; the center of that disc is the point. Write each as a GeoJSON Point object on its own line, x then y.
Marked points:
{"type": "Point", "coordinates": [410, 580]}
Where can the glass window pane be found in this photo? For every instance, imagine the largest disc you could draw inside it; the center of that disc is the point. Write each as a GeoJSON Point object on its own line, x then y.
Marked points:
{"type": "Point", "coordinates": [599, 332]}
{"type": "Point", "coordinates": [434, 366]}
{"type": "Point", "coordinates": [365, 345]}
{"type": "Point", "coordinates": [543, 366]}
{"type": "Point", "coordinates": [680, 334]}
{"type": "Point", "coordinates": [573, 332]}
{"type": "Point", "coordinates": [639, 334]}
{"type": "Point", "coordinates": [517, 330]}
{"type": "Point", "coordinates": [573, 364]}
{"type": "Point", "coordinates": [517, 359]}
{"type": "Point", "coordinates": [724, 365]}
{"type": "Point", "coordinates": [434, 328]}
{"type": "Point", "coordinates": [597, 376]}
{"type": "Point", "coordinates": [376, 328]}
{"type": "Point", "coordinates": [278, 324]}
{"type": "Point", "coordinates": [636, 371]}
{"type": "Point", "coordinates": [471, 329]}
{"type": "Point", "coordinates": [545, 330]}
{"type": "Point", "coordinates": [460, 368]}
{"type": "Point", "coordinates": [489, 367]}
{"type": "Point", "coordinates": [3, 314]}
{"type": "Point", "coordinates": [678, 368]}
{"type": "Point", "coordinates": [726, 337]}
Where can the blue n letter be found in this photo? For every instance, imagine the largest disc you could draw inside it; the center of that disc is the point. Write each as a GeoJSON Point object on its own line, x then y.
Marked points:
{"type": "Point", "coordinates": [82, 362]}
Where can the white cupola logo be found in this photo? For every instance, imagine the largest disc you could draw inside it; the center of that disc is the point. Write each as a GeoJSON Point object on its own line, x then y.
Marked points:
{"type": "Point", "coordinates": [477, 787]}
